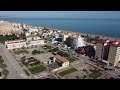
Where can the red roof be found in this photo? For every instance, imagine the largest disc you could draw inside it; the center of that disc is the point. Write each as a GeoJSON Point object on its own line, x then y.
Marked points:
{"type": "Point", "coordinates": [111, 43]}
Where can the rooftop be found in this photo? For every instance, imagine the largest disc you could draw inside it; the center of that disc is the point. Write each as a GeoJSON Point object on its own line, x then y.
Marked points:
{"type": "Point", "coordinates": [111, 43]}
{"type": "Point", "coordinates": [53, 65]}
{"type": "Point", "coordinates": [60, 58]}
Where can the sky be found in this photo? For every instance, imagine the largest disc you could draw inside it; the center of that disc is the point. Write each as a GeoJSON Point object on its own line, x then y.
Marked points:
{"type": "Point", "coordinates": [64, 14]}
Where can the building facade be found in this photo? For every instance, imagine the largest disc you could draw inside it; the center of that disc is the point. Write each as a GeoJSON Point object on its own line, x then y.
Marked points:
{"type": "Point", "coordinates": [15, 44]}
{"type": "Point", "coordinates": [108, 51]}
{"type": "Point", "coordinates": [64, 37]}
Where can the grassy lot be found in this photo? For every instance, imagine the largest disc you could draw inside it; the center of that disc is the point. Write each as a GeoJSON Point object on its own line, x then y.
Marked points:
{"type": "Point", "coordinates": [27, 73]}
{"type": "Point", "coordinates": [67, 71]}
{"type": "Point", "coordinates": [21, 51]}
{"type": "Point", "coordinates": [95, 74]}
{"type": "Point", "coordinates": [70, 59]}
{"type": "Point", "coordinates": [37, 69]}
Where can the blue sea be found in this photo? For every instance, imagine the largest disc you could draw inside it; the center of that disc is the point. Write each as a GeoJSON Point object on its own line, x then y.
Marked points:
{"type": "Point", "coordinates": [104, 27]}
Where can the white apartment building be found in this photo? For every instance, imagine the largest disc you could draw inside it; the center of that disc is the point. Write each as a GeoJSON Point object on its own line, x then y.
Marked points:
{"type": "Point", "coordinates": [78, 42]}
{"type": "Point", "coordinates": [64, 37]}
{"type": "Point", "coordinates": [114, 54]}
{"type": "Point", "coordinates": [108, 51]}
{"type": "Point", "coordinates": [35, 43]}
{"type": "Point", "coordinates": [15, 44]}
{"type": "Point", "coordinates": [33, 30]}
{"type": "Point", "coordinates": [21, 43]}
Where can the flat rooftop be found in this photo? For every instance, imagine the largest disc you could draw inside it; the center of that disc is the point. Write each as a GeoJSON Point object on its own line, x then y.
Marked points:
{"type": "Point", "coordinates": [53, 65]}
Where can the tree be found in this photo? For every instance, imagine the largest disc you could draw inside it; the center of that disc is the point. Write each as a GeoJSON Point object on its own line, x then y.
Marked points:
{"type": "Point", "coordinates": [0, 57]}
{"type": "Point", "coordinates": [0, 74]}
{"type": "Point", "coordinates": [68, 41]}
{"type": "Point", "coordinates": [3, 66]}
{"type": "Point", "coordinates": [1, 61]}
{"type": "Point", "coordinates": [5, 72]}
{"type": "Point", "coordinates": [2, 39]}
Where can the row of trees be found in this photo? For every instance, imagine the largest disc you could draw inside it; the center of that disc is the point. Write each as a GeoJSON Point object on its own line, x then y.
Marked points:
{"type": "Point", "coordinates": [4, 38]}
{"type": "Point", "coordinates": [5, 72]}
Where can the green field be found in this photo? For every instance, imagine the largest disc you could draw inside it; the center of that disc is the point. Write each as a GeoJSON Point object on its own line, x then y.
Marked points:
{"type": "Point", "coordinates": [21, 51]}
{"type": "Point", "coordinates": [37, 69]}
{"type": "Point", "coordinates": [67, 71]}
{"type": "Point", "coordinates": [95, 74]}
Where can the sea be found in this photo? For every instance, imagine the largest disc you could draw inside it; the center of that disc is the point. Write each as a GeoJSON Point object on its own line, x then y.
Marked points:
{"type": "Point", "coordinates": [104, 27]}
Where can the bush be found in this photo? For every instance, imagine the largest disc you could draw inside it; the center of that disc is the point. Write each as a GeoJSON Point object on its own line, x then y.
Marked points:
{"type": "Point", "coordinates": [5, 72]}
{"type": "Point", "coordinates": [37, 52]}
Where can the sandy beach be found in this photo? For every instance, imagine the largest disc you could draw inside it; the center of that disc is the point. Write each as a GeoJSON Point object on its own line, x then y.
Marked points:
{"type": "Point", "coordinates": [92, 35]}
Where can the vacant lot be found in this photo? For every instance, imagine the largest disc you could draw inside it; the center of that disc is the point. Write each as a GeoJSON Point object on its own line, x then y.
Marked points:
{"type": "Point", "coordinates": [37, 69]}
{"type": "Point", "coordinates": [67, 71]}
{"type": "Point", "coordinates": [95, 74]}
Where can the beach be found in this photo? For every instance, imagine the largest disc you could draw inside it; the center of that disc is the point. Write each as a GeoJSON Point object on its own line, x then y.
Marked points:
{"type": "Point", "coordinates": [91, 35]}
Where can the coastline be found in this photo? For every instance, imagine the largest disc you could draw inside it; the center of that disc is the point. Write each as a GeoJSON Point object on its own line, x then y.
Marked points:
{"type": "Point", "coordinates": [93, 35]}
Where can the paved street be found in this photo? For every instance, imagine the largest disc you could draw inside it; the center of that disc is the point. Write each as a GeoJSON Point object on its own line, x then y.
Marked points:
{"type": "Point", "coordinates": [15, 71]}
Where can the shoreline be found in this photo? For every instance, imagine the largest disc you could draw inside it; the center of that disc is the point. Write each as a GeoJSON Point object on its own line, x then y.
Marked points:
{"type": "Point", "coordinates": [93, 35]}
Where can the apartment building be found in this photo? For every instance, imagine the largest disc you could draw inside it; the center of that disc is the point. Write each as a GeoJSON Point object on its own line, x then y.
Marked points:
{"type": "Point", "coordinates": [108, 51]}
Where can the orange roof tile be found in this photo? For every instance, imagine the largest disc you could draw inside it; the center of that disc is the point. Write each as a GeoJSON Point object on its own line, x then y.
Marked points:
{"type": "Point", "coordinates": [61, 58]}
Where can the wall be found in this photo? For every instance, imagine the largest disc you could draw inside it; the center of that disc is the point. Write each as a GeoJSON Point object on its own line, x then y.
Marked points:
{"type": "Point", "coordinates": [98, 52]}
{"type": "Point", "coordinates": [112, 55]}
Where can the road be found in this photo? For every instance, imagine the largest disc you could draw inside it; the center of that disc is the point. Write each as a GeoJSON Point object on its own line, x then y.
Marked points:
{"type": "Point", "coordinates": [15, 71]}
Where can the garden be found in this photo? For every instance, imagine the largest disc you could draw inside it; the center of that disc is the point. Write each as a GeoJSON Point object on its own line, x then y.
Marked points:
{"type": "Point", "coordinates": [71, 70]}
{"type": "Point", "coordinates": [37, 69]}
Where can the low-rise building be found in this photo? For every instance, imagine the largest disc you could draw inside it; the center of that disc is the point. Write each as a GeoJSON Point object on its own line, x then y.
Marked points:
{"type": "Point", "coordinates": [33, 30]}
{"type": "Point", "coordinates": [35, 43]}
{"type": "Point", "coordinates": [15, 44]}
{"type": "Point", "coordinates": [60, 63]}
{"type": "Point", "coordinates": [22, 43]}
